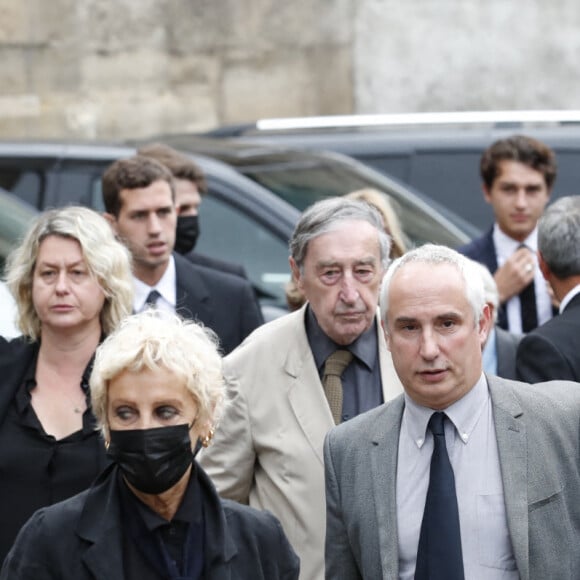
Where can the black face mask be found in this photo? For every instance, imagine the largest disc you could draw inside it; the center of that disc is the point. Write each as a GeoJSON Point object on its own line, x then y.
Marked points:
{"type": "Point", "coordinates": [152, 460]}
{"type": "Point", "coordinates": [186, 233]}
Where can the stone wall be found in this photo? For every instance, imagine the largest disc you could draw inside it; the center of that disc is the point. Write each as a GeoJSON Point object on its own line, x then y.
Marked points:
{"type": "Point", "coordinates": [447, 55]}
{"type": "Point", "coordinates": [133, 68]}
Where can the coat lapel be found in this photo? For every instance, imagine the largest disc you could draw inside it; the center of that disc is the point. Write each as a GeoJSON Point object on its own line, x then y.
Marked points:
{"type": "Point", "coordinates": [512, 446]}
{"type": "Point", "coordinates": [305, 393]}
{"type": "Point", "coordinates": [100, 526]}
{"type": "Point", "coordinates": [193, 299]}
{"type": "Point", "coordinates": [384, 442]}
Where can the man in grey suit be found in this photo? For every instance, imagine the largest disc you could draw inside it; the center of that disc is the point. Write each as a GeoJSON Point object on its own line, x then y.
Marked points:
{"type": "Point", "coordinates": [512, 448]}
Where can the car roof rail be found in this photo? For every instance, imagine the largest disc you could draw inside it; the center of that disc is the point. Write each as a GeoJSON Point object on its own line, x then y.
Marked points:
{"type": "Point", "coordinates": [493, 118]}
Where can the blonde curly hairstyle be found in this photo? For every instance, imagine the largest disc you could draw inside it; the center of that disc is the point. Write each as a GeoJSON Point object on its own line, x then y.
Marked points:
{"type": "Point", "coordinates": [107, 260]}
{"type": "Point", "coordinates": [156, 339]}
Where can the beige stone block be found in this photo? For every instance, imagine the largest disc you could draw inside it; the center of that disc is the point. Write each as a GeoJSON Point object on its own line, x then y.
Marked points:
{"type": "Point", "coordinates": [144, 70]}
{"type": "Point", "coordinates": [119, 115]}
{"type": "Point", "coordinates": [287, 83]}
{"type": "Point", "coordinates": [14, 73]}
{"type": "Point", "coordinates": [14, 21]}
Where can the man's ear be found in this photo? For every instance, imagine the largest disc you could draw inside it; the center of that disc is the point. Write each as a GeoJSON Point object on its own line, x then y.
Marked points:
{"type": "Point", "coordinates": [544, 268]}
{"type": "Point", "coordinates": [386, 334]}
{"type": "Point", "coordinates": [296, 274]}
{"type": "Point", "coordinates": [486, 193]}
{"type": "Point", "coordinates": [485, 323]}
{"type": "Point", "coordinates": [111, 219]}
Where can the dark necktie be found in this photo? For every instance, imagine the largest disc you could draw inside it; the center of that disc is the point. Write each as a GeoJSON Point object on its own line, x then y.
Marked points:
{"type": "Point", "coordinates": [332, 381]}
{"type": "Point", "coordinates": [151, 300]}
{"type": "Point", "coordinates": [528, 306]}
{"type": "Point", "coordinates": [439, 555]}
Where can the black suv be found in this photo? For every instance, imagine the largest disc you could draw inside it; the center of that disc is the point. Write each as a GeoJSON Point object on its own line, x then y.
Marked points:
{"type": "Point", "coordinates": [241, 219]}
{"type": "Point", "coordinates": [437, 154]}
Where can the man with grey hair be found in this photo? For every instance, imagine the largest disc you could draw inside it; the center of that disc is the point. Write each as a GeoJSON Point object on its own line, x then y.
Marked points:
{"type": "Point", "coordinates": [500, 347]}
{"type": "Point", "coordinates": [285, 384]}
{"type": "Point", "coordinates": [552, 351]}
{"type": "Point", "coordinates": [464, 475]}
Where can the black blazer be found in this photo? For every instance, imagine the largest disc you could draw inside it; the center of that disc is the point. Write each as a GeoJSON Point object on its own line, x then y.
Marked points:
{"type": "Point", "coordinates": [16, 357]}
{"type": "Point", "coordinates": [552, 351]}
{"type": "Point", "coordinates": [223, 302]}
{"type": "Point", "coordinates": [81, 539]}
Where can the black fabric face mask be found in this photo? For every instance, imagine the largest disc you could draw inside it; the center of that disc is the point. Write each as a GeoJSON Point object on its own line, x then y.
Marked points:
{"type": "Point", "coordinates": [186, 233]}
{"type": "Point", "coordinates": [152, 460]}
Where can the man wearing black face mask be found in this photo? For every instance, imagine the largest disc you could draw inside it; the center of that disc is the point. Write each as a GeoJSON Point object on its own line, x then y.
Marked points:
{"type": "Point", "coordinates": [190, 186]}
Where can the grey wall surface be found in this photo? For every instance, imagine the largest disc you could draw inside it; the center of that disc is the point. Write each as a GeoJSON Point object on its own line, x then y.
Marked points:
{"type": "Point", "coordinates": [132, 68]}
{"type": "Point", "coordinates": [447, 55]}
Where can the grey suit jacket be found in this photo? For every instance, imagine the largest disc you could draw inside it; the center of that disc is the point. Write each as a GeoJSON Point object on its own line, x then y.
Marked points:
{"type": "Point", "coordinates": [267, 449]}
{"type": "Point", "coordinates": [537, 429]}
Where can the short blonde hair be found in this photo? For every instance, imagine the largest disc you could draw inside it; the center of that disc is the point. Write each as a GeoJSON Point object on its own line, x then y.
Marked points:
{"type": "Point", "coordinates": [391, 222]}
{"type": "Point", "coordinates": [157, 339]}
{"type": "Point", "coordinates": [107, 260]}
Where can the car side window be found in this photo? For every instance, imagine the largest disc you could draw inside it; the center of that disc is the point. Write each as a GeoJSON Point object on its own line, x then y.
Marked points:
{"type": "Point", "coordinates": [228, 233]}
{"type": "Point", "coordinates": [24, 183]}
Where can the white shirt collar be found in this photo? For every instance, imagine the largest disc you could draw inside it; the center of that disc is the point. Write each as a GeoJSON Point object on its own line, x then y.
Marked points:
{"type": "Point", "coordinates": [166, 287]}
{"type": "Point", "coordinates": [464, 413]}
{"type": "Point", "coordinates": [568, 298]}
{"type": "Point", "coordinates": [506, 246]}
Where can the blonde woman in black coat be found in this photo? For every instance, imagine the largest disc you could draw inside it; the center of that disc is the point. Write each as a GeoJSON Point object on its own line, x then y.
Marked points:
{"type": "Point", "coordinates": [157, 391]}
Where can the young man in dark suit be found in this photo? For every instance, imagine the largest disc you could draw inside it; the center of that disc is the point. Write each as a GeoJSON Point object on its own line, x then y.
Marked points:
{"type": "Point", "coordinates": [140, 205]}
{"type": "Point", "coordinates": [518, 174]}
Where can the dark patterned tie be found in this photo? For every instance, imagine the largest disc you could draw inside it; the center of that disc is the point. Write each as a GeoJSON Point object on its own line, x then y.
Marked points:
{"type": "Point", "coordinates": [528, 306]}
{"type": "Point", "coordinates": [151, 300]}
{"type": "Point", "coordinates": [332, 381]}
{"type": "Point", "coordinates": [439, 556]}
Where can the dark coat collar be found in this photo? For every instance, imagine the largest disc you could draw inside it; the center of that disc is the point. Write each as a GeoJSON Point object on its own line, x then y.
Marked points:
{"type": "Point", "coordinates": [100, 527]}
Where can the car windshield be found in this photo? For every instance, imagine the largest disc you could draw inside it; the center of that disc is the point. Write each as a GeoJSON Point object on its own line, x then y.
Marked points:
{"type": "Point", "coordinates": [302, 184]}
{"type": "Point", "coordinates": [15, 217]}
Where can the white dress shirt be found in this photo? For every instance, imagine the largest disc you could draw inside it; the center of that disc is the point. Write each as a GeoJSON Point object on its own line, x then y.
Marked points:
{"type": "Point", "coordinates": [504, 248]}
{"type": "Point", "coordinates": [472, 447]}
{"type": "Point", "coordinates": [166, 287]}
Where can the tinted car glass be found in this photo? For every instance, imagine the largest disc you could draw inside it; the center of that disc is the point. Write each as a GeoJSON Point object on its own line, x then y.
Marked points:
{"type": "Point", "coordinates": [15, 218]}
{"type": "Point", "coordinates": [302, 178]}
{"type": "Point", "coordinates": [240, 221]}
{"type": "Point", "coordinates": [441, 163]}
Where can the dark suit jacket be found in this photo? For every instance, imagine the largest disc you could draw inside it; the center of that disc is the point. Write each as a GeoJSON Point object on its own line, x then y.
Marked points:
{"type": "Point", "coordinates": [537, 437]}
{"type": "Point", "coordinates": [216, 264]}
{"type": "Point", "coordinates": [223, 302]}
{"type": "Point", "coordinates": [552, 351]}
{"type": "Point", "coordinates": [482, 250]}
{"type": "Point", "coordinates": [81, 539]}
{"type": "Point", "coordinates": [506, 346]}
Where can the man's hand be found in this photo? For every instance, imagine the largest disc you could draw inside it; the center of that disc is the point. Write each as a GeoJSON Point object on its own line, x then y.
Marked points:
{"type": "Point", "coordinates": [515, 274]}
